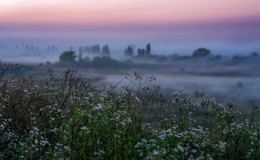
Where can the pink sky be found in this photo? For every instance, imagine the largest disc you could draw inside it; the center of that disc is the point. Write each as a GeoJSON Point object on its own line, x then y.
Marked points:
{"type": "Point", "coordinates": [123, 12]}
{"type": "Point", "coordinates": [171, 22]}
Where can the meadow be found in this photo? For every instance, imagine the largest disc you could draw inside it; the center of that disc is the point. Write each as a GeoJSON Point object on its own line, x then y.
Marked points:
{"type": "Point", "coordinates": [68, 116]}
{"type": "Point", "coordinates": [129, 79]}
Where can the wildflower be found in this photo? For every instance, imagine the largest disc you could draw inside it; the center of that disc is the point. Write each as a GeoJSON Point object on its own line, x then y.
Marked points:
{"type": "Point", "coordinates": [67, 148]}
{"type": "Point", "coordinates": [99, 107]}
{"type": "Point", "coordinates": [84, 128]}
{"type": "Point", "coordinates": [194, 151]}
{"type": "Point", "coordinates": [180, 148]}
{"type": "Point", "coordinates": [129, 120]}
{"type": "Point", "coordinates": [156, 152]}
{"type": "Point", "coordinates": [137, 99]}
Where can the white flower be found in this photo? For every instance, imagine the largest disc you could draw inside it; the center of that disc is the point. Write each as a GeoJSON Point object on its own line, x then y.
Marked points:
{"type": "Point", "coordinates": [129, 120]}
{"type": "Point", "coordinates": [137, 99]}
{"type": "Point", "coordinates": [84, 128]}
{"type": "Point", "coordinates": [194, 151]}
{"type": "Point", "coordinates": [156, 152]}
{"type": "Point", "coordinates": [99, 107]}
{"type": "Point", "coordinates": [67, 148]}
{"type": "Point", "coordinates": [180, 148]}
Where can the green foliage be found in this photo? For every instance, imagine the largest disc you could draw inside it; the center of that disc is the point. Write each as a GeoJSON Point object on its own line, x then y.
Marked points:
{"type": "Point", "coordinates": [201, 52]}
{"type": "Point", "coordinates": [105, 50]}
{"type": "Point", "coordinates": [69, 118]}
{"type": "Point", "coordinates": [141, 52]}
{"type": "Point", "coordinates": [129, 51]}
{"type": "Point", "coordinates": [148, 49]}
{"type": "Point", "coordinates": [105, 61]}
{"type": "Point", "coordinates": [68, 57]}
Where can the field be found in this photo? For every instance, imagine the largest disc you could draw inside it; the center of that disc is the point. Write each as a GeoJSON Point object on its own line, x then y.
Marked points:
{"type": "Point", "coordinates": [68, 116]}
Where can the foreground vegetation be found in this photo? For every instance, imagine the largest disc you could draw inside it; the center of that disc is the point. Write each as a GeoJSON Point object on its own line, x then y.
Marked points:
{"type": "Point", "coordinates": [70, 118]}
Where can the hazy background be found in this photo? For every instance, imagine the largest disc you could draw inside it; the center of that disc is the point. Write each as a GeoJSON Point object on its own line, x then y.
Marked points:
{"type": "Point", "coordinates": [171, 26]}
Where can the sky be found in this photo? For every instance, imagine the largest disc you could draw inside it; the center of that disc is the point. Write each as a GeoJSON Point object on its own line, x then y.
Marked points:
{"type": "Point", "coordinates": [169, 22]}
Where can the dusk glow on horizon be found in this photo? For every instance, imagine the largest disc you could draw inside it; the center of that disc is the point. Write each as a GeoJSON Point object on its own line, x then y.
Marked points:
{"type": "Point", "coordinates": [124, 12]}
{"type": "Point", "coordinates": [121, 20]}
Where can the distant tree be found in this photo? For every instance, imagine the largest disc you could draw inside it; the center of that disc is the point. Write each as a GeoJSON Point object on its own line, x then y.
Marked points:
{"type": "Point", "coordinates": [254, 54]}
{"type": "Point", "coordinates": [86, 49]}
{"type": "Point", "coordinates": [81, 50]}
{"type": "Point", "coordinates": [239, 58]}
{"type": "Point", "coordinates": [68, 57]}
{"type": "Point", "coordinates": [105, 61]}
{"type": "Point", "coordinates": [201, 52]}
{"type": "Point", "coordinates": [71, 48]}
{"type": "Point", "coordinates": [129, 51]}
{"type": "Point", "coordinates": [148, 49]}
{"type": "Point", "coordinates": [141, 52]}
{"type": "Point", "coordinates": [105, 50]}
{"type": "Point", "coordinates": [80, 54]}
{"type": "Point", "coordinates": [80, 57]}
{"type": "Point", "coordinates": [53, 48]}
{"type": "Point", "coordinates": [95, 48]}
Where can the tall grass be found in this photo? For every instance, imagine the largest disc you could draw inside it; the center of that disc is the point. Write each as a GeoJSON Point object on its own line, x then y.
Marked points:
{"type": "Point", "coordinates": [70, 118]}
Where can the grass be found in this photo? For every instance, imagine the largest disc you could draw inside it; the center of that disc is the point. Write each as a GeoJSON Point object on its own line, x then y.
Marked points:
{"type": "Point", "coordinates": [69, 118]}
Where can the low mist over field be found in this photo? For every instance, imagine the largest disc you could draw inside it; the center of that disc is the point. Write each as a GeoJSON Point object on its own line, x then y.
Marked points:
{"type": "Point", "coordinates": [130, 79]}
{"type": "Point", "coordinates": [229, 73]}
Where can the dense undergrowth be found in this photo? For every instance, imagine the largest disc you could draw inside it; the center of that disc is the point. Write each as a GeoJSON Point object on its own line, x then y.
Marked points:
{"type": "Point", "coordinates": [70, 118]}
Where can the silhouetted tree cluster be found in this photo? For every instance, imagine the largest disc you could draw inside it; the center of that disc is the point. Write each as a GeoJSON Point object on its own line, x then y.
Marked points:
{"type": "Point", "coordinates": [52, 48]}
{"type": "Point", "coordinates": [105, 50]}
{"type": "Point", "coordinates": [68, 57]}
{"type": "Point", "coordinates": [105, 62]}
{"type": "Point", "coordinates": [129, 51]}
{"type": "Point", "coordinates": [141, 52]}
{"type": "Point", "coordinates": [199, 55]}
{"type": "Point", "coordinates": [243, 58]}
{"type": "Point", "coordinates": [27, 47]}
{"type": "Point", "coordinates": [201, 52]}
{"type": "Point", "coordinates": [255, 54]}
{"type": "Point", "coordinates": [96, 49]}
{"type": "Point", "coordinates": [148, 49]}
